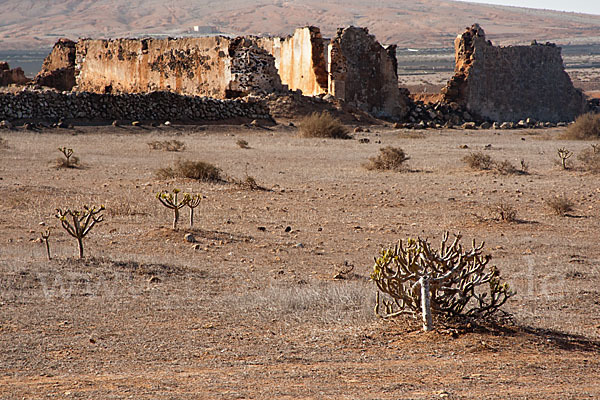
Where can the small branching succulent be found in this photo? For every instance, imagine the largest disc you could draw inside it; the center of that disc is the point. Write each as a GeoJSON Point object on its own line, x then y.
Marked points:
{"type": "Point", "coordinates": [79, 223]}
{"type": "Point", "coordinates": [171, 201]}
{"type": "Point", "coordinates": [69, 160]}
{"type": "Point", "coordinates": [192, 201]}
{"type": "Point", "coordinates": [450, 282]}
{"type": "Point", "coordinates": [564, 155]}
{"type": "Point", "coordinates": [45, 238]}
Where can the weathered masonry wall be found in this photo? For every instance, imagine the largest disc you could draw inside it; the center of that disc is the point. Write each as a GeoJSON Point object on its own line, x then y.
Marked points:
{"type": "Point", "coordinates": [210, 66]}
{"type": "Point", "coordinates": [364, 73]}
{"type": "Point", "coordinates": [512, 83]}
{"type": "Point", "coordinates": [300, 60]}
{"type": "Point", "coordinates": [52, 105]}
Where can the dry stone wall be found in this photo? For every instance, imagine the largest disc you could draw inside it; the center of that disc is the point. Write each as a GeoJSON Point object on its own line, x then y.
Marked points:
{"type": "Point", "coordinates": [52, 105]}
{"type": "Point", "coordinates": [511, 83]}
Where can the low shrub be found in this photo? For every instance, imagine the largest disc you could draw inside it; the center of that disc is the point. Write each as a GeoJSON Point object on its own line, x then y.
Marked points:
{"type": "Point", "coordinates": [560, 205]}
{"type": "Point", "coordinates": [479, 161]}
{"type": "Point", "coordinates": [586, 126]}
{"type": "Point", "coordinates": [243, 144]}
{"type": "Point", "coordinates": [505, 211]}
{"type": "Point", "coordinates": [323, 125]}
{"type": "Point", "coordinates": [167, 145]}
{"type": "Point", "coordinates": [389, 158]}
{"type": "Point", "coordinates": [3, 143]}
{"type": "Point", "coordinates": [199, 170]}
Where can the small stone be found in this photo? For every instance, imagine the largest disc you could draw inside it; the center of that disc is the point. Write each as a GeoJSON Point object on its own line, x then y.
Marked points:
{"type": "Point", "coordinates": [196, 246]}
{"type": "Point", "coordinates": [299, 245]}
{"type": "Point", "coordinates": [115, 123]}
{"type": "Point", "coordinates": [189, 238]}
{"type": "Point", "coordinates": [262, 228]}
{"type": "Point", "coordinates": [288, 229]}
{"type": "Point", "coordinates": [167, 123]}
{"type": "Point", "coordinates": [136, 123]}
{"type": "Point", "coordinates": [154, 279]}
{"type": "Point", "coordinates": [358, 129]}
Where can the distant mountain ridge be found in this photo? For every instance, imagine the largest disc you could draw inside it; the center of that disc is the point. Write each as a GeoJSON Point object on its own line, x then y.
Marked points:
{"type": "Point", "coordinates": [34, 24]}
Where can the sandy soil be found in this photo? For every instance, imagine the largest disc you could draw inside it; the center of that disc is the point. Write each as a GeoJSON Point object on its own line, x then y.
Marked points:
{"type": "Point", "coordinates": [254, 311]}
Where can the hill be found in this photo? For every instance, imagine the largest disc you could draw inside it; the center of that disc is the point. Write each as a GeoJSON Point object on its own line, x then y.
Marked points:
{"type": "Point", "coordinates": [34, 24]}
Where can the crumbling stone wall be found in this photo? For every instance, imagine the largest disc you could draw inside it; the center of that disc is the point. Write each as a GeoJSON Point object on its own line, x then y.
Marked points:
{"type": "Point", "coordinates": [364, 73]}
{"type": "Point", "coordinates": [208, 66]}
{"type": "Point", "coordinates": [157, 106]}
{"type": "Point", "coordinates": [300, 60]}
{"type": "Point", "coordinates": [511, 83]}
{"type": "Point", "coordinates": [58, 70]}
{"type": "Point", "coordinates": [11, 76]}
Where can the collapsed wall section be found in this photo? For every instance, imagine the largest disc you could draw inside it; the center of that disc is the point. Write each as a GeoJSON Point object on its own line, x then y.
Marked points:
{"type": "Point", "coordinates": [10, 76]}
{"type": "Point", "coordinates": [364, 73]}
{"type": "Point", "coordinates": [58, 70]}
{"type": "Point", "coordinates": [208, 66]}
{"type": "Point", "coordinates": [511, 83]}
{"type": "Point", "coordinates": [300, 60]}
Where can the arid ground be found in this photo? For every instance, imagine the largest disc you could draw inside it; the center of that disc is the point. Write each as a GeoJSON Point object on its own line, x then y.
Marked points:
{"type": "Point", "coordinates": [252, 309]}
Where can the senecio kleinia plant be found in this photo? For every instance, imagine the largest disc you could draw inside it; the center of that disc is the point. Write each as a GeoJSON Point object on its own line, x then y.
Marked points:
{"type": "Point", "coordinates": [79, 223]}
{"type": "Point", "coordinates": [173, 202]}
{"type": "Point", "coordinates": [449, 281]}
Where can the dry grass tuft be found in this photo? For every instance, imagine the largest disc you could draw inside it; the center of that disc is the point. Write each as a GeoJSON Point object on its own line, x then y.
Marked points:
{"type": "Point", "coordinates": [339, 302]}
{"type": "Point", "coordinates": [3, 143]}
{"type": "Point", "coordinates": [590, 158]}
{"type": "Point", "coordinates": [506, 168]}
{"type": "Point", "coordinates": [505, 211]}
{"type": "Point", "coordinates": [167, 145]}
{"type": "Point", "coordinates": [199, 170]}
{"type": "Point", "coordinates": [323, 125]}
{"type": "Point", "coordinates": [560, 205]}
{"type": "Point", "coordinates": [586, 126]}
{"type": "Point", "coordinates": [479, 161]}
{"type": "Point", "coordinates": [389, 158]}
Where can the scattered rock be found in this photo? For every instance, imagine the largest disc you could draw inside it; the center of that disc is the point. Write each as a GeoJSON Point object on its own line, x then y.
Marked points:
{"type": "Point", "coordinates": [288, 229]}
{"type": "Point", "coordinates": [190, 238]}
{"type": "Point", "coordinates": [136, 123]}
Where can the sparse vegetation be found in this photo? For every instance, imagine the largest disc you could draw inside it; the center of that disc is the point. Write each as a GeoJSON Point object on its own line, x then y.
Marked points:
{"type": "Point", "coordinates": [483, 162]}
{"type": "Point", "coordinates": [45, 238]}
{"type": "Point", "coordinates": [323, 125]}
{"type": "Point", "coordinates": [167, 145]}
{"type": "Point", "coordinates": [450, 282]}
{"type": "Point", "coordinates": [192, 201]}
{"type": "Point", "coordinates": [586, 126]}
{"type": "Point", "coordinates": [505, 211]}
{"type": "Point", "coordinates": [389, 158]}
{"type": "Point", "coordinates": [560, 205]}
{"type": "Point", "coordinates": [590, 158]}
{"type": "Point", "coordinates": [564, 155]}
{"type": "Point", "coordinates": [68, 160]}
{"type": "Point", "coordinates": [79, 223]}
{"type": "Point", "coordinates": [170, 201]}
{"type": "Point", "coordinates": [199, 170]}
{"type": "Point", "coordinates": [243, 144]}
{"type": "Point", "coordinates": [479, 161]}
{"type": "Point", "coordinates": [3, 143]}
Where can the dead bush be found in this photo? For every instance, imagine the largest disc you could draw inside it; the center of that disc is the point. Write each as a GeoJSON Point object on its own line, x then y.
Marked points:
{"type": "Point", "coordinates": [167, 145]}
{"type": "Point", "coordinates": [479, 161]}
{"type": "Point", "coordinates": [506, 168]}
{"type": "Point", "coordinates": [504, 211]}
{"type": "Point", "coordinates": [586, 126]}
{"type": "Point", "coordinates": [3, 143]}
{"type": "Point", "coordinates": [590, 158]}
{"type": "Point", "coordinates": [560, 205]}
{"type": "Point", "coordinates": [389, 158]}
{"type": "Point", "coordinates": [323, 125]}
{"type": "Point", "coordinates": [199, 170]}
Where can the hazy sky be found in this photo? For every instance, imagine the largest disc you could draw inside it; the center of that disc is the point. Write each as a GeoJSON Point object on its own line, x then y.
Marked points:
{"type": "Point", "coordinates": [583, 6]}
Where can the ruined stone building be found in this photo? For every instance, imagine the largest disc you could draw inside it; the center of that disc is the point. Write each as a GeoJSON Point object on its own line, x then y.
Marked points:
{"type": "Point", "coordinates": [511, 83]}
{"type": "Point", "coordinates": [10, 76]}
{"type": "Point", "coordinates": [352, 67]}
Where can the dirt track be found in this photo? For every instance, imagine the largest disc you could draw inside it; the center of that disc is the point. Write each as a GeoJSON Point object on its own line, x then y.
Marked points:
{"type": "Point", "coordinates": [254, 312]}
